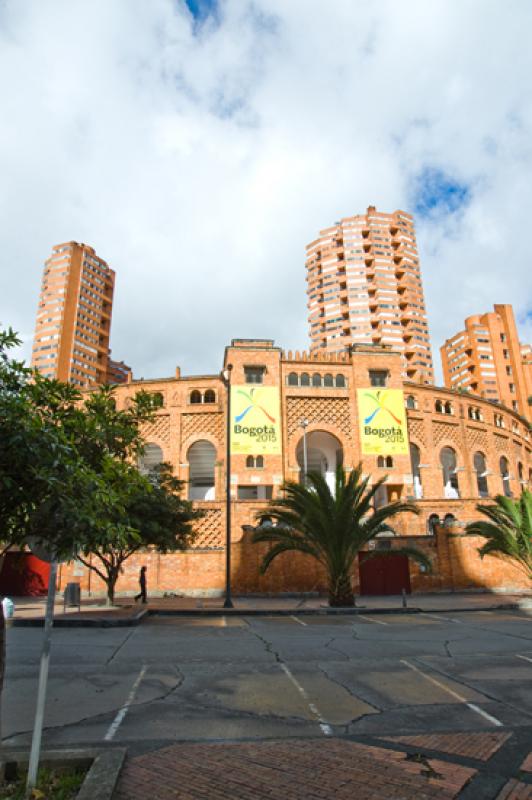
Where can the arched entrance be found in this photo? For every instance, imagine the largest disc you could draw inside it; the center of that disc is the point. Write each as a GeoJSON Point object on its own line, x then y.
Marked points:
{"type": "Point", "coordinates": [324, 455]}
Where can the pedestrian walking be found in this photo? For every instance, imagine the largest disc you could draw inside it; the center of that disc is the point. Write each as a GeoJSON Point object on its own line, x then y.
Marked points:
{"type": "Point", "coordinates": [142, 583]}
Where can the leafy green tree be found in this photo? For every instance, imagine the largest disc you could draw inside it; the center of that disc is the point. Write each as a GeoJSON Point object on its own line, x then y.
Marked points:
{"type": "Point", "coordinates": [332, 527]}
{"type": "Point", "coordinates": [154, 515]}
{"type": "Point", "coordinates": [507, 530]}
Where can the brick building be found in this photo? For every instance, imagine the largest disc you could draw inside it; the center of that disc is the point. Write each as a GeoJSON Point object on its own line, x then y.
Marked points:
{"type": "Point", "coordinates": [462, 448]}
{"type": "Point", "coordinates": [487, 359]}
{"type": "Point", "coordinates": [364, 286]}
{"type": "Point", "coordinates": [73, 325]}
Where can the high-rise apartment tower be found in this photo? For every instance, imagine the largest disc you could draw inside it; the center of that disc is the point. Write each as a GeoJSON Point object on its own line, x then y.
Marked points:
{"type": "Point", "coordinates": [487, 359]}
{"type": "Point", "coordinates": [71, 340]}
{"type": "Point", "coordinates": [364, 286]}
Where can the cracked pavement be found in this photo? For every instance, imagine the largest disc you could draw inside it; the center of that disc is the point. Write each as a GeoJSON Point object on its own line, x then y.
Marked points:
{"type": "Point", "coordinates": [235, 678]}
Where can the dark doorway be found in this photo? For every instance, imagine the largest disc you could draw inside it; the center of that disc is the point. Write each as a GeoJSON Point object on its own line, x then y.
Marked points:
{"type": "Point", "coordinates": [24, 575]}
{"type": "Point", "coordinates": [389, 574]}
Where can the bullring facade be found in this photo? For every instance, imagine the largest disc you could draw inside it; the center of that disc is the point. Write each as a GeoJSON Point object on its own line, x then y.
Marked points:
{"type": "Point", "coordinates": [461, 448]}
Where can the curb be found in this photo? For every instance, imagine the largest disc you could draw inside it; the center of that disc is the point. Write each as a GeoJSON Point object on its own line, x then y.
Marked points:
{"type": "Point", "coordinates": [133, 621]}
{"type": "Point", "coordinates": [104, 767]}
{"type": "Point", "coordinates": [94, 622]}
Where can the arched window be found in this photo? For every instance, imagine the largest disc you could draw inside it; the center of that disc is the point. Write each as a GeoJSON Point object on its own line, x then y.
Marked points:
{"type": "Point", "coordinates": [293, 379]}
{"type": "Point", "coordinates": [449, 520]}
{"type": "Point", "coordinates": [471, 412]}
{"type": "Point", "coordinates": [448, 407]}
{"type": "Point", "coordinates": [158, 399]}
{"type": "Point", "coordinates": [195, 396]}
{"type": "Point", "coordinates": [479, 462]}
{"type": "Point", "coordinates": [451, 490]}
{"type": "Point", "coordinates": [432, 521]}
{"type": "Point", "coordinates": [389, 461]}
{"type": "Point", "coordinates": [380, 461]}
{"type": "Point", "coordinates": [411, 402]}
{"type": "Point", "coordinates": [305, 380]}
{"type": "Point", "coordinates": [520, 473]}
{"type": "Point", "coordinates": [209, 396]}
{"type": "Point", "coordinates": [316, 379]}
{"type": "Point", "coordinates": [151, 457]}
{"type": "Point", "coordinates": [505, 476]}
{"type": "Point", "coordinates": [439, 406]}
{"type": "Point", "coordinates": [415, 461]}
{"type": "Point", "coordinates": [201, 458]}
{"type": "Point", "coordinates": [328, 381]}
{"type": "Point", "coordinates": [340, 381]}
{"type": "Point", "coordinates": [259, 462]}
{"type": "Point", "coordinates": [250, 462]}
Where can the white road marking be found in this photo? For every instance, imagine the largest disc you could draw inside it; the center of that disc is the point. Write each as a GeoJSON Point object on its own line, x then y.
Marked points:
{"type": "Point", "coordinates": [375, 621]}
{"type": "Point", "coordinates": [454, 694]}
{"type": "Point", "coordinates": [299, 620]}
{"type": "Point", "coordinates": [525, 658]}
{"type": "Point", "coordinates": [115, 724]}
{"type": "Point", "coordinates": [440, 617]}
{"type": "Point", "coordinates": [325, 728]}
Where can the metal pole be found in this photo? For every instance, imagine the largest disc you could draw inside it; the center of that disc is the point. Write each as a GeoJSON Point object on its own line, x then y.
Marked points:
{"type": "Point", "coordinates": [228, 603]}
{"type": "Point", "coordinates": [43, 681]}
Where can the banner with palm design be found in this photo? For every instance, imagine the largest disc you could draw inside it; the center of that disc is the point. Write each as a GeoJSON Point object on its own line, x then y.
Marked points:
{"type": "Point", "coordinates": [255, 420]}
{"type": "Point", "coordinates": [382, 422]}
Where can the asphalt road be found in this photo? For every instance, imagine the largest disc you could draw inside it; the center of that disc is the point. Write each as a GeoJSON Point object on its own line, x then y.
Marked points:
{"type": "Point", "coordinates": [211, 679]}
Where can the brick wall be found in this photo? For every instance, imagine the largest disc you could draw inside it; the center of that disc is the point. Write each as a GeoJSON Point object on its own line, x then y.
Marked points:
{"type": "Point", "coordinates": [331, 411]}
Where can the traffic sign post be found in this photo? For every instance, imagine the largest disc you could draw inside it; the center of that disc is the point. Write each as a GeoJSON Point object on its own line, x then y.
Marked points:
{"type": "Point", "coordinates": [35, 753]}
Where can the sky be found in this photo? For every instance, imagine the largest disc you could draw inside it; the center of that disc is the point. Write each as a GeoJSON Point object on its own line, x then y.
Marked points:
{"type": "Point", "coordinates": [199, 146]}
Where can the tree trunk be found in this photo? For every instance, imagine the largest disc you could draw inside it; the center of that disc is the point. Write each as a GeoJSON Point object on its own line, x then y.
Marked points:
{"type": "Point", "coordinates": [341, 592]}
{"type": "Point", "coordinates": [112, 578]}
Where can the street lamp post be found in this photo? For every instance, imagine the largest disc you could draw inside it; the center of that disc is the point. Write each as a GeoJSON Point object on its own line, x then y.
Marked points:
{"type": "Point", "coordinates": [304, 424]}
{"type": "Point", "coordinates": [226, 375]}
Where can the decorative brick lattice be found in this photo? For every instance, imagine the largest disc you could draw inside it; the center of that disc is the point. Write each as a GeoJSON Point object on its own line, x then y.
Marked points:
{"type": "Point", "coordinates": [333, 411]}
{"type": "Point", "coordinates": [210, 531]}
{"type": "Point", "coordinates": [416, 431]}
{"type": "Point", "coordinates": [477, 439]}
{"type": "Point", "coordinates": [158, 430]}
{"type": "Point", "coordinates": [501, 443]}
{"type": "Point", "coordinates": [211, 424]}
{"type": "Point", "coordinates": [442, 432]}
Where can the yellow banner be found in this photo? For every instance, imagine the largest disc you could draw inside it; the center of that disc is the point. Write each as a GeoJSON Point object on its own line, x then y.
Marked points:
{"type": "Point", "coordinates": [382, 421]}
{"type": "Point", "coordinates": [255, 420]}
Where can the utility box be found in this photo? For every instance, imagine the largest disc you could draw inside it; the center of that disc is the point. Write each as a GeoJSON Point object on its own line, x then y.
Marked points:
{"type": "Point", "coordinates": [72, 595]}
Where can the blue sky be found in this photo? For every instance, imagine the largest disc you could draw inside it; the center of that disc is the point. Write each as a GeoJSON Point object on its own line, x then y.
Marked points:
{"type": "Point", "coordinates": [201, 8]}
{"type": "Point", "coordinates": [435, 193]}
{"type": "Point", "coordinates": [200, 148]}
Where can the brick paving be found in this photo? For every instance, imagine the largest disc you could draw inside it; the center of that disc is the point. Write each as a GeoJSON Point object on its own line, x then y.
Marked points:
{"type": "Point", "coordinates": [480, 746]}
{"type": "Point", "coordinates": [289, 769]}
{"type": "Point", "coordinates": [526, 766]}
{"type": "Point", "coordinates": [515, 790]}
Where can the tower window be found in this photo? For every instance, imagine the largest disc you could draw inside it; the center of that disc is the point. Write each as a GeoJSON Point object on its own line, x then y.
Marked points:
{"type": "Point", "coordinates": [254, 374]}
{"type": "Point", "coordinates": [378, 377]}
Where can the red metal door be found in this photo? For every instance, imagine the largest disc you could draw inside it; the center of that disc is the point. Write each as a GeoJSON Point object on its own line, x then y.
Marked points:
{"type": "Point", "coordinates": [388, 574]}
{"type": "Point", "coordinates": [24, 575]}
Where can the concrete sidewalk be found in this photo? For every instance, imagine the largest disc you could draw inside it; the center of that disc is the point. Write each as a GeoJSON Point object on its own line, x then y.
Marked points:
{"type": "Point", "coordinates": [30, 611]}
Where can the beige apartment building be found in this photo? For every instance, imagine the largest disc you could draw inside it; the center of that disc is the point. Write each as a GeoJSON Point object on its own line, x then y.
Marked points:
{"type": "Point", "coordinates": [364, 287]}
{"type": "Point", "coordinates": [486, 358]}
{"type": "Point", "coordinates": [71, 341]}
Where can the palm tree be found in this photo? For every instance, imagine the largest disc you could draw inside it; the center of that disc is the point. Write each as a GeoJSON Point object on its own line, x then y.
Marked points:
{"type": "Point", "coordinates": [508, 533]}
{"type": "Point", "coordinates": [330, 527]}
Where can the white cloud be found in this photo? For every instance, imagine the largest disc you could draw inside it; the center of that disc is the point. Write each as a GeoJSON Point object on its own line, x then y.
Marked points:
{"type": "Point", "coordinates": [199, 162]}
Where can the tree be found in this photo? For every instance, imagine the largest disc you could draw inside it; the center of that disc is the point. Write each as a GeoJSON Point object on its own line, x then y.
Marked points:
{"type": "Point", "coordinates": [508, 532]}
{"type": "Point", "coordinates": [331, 527]}
{"type": "Point", "coordinates": [154, 513]}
